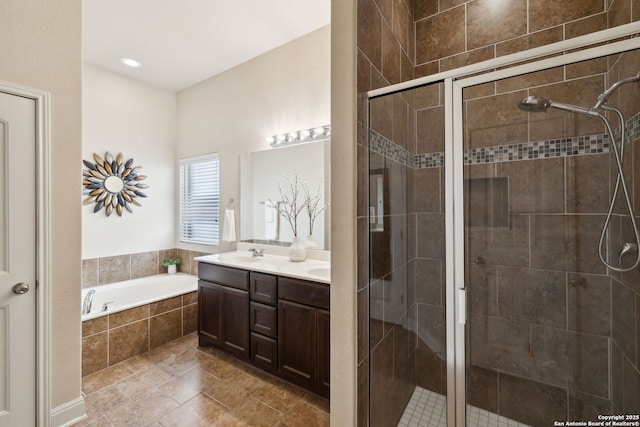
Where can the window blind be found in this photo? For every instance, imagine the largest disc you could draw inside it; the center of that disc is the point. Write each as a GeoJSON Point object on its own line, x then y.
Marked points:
{"type": "Point", "coordinates": [200, 200]}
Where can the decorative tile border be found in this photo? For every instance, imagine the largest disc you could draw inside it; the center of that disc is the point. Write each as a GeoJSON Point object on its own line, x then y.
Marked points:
{"type": "Point", "coordinates": [564, 147]}
{"type": "Point", "coordinates": [592, 144]}
{"type": "Point", "coordinates": [390, 150]}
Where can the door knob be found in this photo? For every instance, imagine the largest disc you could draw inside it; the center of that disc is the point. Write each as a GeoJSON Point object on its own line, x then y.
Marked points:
{"type": "Point", "coordinates": [21, 288]}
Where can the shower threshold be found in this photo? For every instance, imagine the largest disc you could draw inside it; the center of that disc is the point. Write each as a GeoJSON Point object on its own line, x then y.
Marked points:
{"type": "Point", "coordinates": [428, 409]}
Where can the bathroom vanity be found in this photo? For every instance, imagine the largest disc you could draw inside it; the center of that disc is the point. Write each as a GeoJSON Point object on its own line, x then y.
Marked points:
{"type": "Point", "coordinates": [268, 311]}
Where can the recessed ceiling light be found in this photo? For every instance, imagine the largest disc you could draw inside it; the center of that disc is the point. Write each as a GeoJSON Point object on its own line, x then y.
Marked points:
{"type": "Point", "coordinates": [131, 62]}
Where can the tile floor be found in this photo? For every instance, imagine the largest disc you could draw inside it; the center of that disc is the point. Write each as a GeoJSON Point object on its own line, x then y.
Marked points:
{"type": "Point", "coordinates": [428, 409]}
{"type": "Point", "coordinates": [180, 385]}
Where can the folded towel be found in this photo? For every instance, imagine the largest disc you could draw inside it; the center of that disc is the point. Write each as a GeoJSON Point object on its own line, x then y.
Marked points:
{"type": "Point", "coordinates": [270, 224]}
{"type": "Point", "coordinates": [229, 226]}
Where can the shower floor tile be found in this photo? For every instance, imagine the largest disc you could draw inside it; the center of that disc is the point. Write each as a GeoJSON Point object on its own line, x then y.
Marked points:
{"type": "Point", "coordinates": [428, 409]}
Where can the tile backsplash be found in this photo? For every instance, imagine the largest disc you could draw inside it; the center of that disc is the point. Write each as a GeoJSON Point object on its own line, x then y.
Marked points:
{"type": "Point", "coordinates": [102, 271]}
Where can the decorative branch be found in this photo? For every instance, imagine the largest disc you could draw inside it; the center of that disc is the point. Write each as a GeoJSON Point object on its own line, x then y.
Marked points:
{"type": "Point", "coordinates": [312, 203]}
{"type": "Point", "coordinates": [290, 208]}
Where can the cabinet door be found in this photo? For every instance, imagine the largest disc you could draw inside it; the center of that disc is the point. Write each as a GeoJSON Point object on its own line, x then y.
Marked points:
{"type": "Point", "coordinates": [234, 309]}
{"type": "Point", "coordinates": [209, 313]}
{"type": "Point", "coordinates": [296, 343]}
{"type": "Point", "coordinates": [323, 351]}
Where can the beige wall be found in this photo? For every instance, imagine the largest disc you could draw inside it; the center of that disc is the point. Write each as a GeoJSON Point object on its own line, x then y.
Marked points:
{"type": "Point", "coordinates": [41, 48]}
{"type": "Point", "coordinates": [123, 115]}
{"type": "Point", "coordinates": [284, 90]}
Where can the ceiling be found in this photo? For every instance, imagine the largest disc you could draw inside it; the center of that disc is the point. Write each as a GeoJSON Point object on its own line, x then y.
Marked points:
{"type": "Point", "coordinates": [180, 43]}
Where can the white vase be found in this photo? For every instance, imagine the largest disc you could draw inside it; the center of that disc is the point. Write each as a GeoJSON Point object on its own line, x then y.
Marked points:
{"type": "Point", "coordinates": [171, 269]}
{"type": "Point", "coordinates": [297, 251]}
{"type": "Point", "coordinates": [310, 242]}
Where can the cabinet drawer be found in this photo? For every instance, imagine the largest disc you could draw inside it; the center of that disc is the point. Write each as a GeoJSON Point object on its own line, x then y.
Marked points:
{"type": "Point", "coordinates": [264, 288]}
{"type": "Point", "coordinates": [228, 276]}
{"type": "Point", "coordinates": [264, 351]}
{"type": "Point", "coordinates": [264, 319]}
{"type": "Point", "coordinates": [303, 292]}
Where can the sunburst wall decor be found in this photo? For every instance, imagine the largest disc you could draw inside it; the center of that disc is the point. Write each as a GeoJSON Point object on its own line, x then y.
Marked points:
{"type": "Point", "coordinates": [112, 184]}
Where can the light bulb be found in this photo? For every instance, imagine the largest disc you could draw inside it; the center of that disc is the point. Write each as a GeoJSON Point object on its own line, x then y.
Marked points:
{"type": "Point", "coordinates": [318, 132]}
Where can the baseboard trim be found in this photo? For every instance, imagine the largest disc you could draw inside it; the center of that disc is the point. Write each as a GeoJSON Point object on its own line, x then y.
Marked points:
{"type": "Point", "coordinates": [68, 413]}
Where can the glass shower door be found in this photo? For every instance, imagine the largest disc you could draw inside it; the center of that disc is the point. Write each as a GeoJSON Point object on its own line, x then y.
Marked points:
{"type": "Point", "coordinates": [550, 332]}
{"type": "Point", "coordinates": [406, 217]}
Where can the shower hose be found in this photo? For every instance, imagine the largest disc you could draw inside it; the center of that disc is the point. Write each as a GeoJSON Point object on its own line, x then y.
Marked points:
{"type": "Point", "coordinates": [620, 183]}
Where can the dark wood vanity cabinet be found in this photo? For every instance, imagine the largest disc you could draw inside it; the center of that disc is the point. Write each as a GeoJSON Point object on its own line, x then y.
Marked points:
{"type": "Point", "coordinates": [323, 346]}
{"type": "Point", "coordinates": [208, 313]}
{"type": "Point", "coordinates": [234, 309]}
{"type": "Point", "coordinates": [279, 323]}
{"type": "Point", "coordinates": [223, 309]}
{"type": "Point", "coordinates": [263, 320]}
{"type": "Point", "coordinates": [303, 336]}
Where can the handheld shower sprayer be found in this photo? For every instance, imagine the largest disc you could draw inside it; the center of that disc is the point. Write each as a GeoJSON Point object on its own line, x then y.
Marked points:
{"type": "Point", "coordinates": [536, 104]}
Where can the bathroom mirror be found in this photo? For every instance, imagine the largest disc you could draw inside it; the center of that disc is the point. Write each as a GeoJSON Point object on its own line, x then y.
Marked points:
{"type": "Point", "coordinates": [260, 174]}
{"type": "Point", "coordinates": [113, 184]}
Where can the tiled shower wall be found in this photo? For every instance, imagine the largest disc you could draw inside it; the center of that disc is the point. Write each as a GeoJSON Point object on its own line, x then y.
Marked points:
{"type": "Point", "coordinates": [449, 34]}
{"type": "Point", "coordinates": [625, 287]}
{"type": "Point", "coordinates": [385, 56]}
{"type": "Point", "coordinates": [102, 271]}
{"type": "Point", "coordinates": [543, 307]}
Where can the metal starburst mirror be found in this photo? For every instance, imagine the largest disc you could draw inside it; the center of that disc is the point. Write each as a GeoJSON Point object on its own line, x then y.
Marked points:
{"type": "Point", "coordinates": [112, 184]}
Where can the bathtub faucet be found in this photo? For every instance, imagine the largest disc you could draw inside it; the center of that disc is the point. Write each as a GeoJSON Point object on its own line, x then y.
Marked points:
{"type": "Point", "coordinates": [88, 300]}
{"type": "Point", "coordinates": [257, 252]}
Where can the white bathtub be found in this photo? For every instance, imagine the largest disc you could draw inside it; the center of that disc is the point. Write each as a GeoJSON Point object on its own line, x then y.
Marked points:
{"type": "Point", "coordinates": [135, 292]}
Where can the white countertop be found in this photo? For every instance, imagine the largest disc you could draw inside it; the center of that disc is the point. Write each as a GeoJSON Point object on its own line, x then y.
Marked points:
{"type": "Point", "coordinates": [309, 269]}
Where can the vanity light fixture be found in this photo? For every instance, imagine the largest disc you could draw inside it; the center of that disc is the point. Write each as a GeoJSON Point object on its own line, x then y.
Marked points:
{"type": "Point", "coordinates": [130, 62]}
{"type": "Point", "coordinates": [306, 135]}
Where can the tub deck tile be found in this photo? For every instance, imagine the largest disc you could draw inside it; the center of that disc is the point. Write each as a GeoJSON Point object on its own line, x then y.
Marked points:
{"type": "Point", "coordinates": [128, 316]}
{"type": "Point", "coordinates": [165, 305]}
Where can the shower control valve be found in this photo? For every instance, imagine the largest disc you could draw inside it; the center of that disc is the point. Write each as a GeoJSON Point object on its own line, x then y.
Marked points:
{"type": "Point", "coordinates": [627, 249]}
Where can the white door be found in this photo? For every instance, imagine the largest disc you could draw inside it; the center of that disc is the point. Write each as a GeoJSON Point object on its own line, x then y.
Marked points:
{"type": "Point", "coordinates": [17, 261]}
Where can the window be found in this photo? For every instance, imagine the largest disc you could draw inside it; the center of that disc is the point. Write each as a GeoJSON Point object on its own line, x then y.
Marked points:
{"type": "Point", "coordinates": [200, 200]}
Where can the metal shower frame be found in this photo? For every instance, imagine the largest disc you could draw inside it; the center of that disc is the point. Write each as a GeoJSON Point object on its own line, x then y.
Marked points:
{"type": "Point", "coordinates": [454, 83]}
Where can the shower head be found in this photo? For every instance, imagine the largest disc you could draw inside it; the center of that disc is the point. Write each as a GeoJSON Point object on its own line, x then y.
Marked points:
{"type": "Point", "coordinates": [536, 104]}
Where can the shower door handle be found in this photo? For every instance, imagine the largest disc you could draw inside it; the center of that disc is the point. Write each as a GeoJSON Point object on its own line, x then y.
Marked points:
{"type": "Point", "coordinates": [462, 305]}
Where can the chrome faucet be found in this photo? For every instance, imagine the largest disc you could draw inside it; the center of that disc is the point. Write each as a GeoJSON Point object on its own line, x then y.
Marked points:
{"type": "Point", "coordinates": [88, 300]}
{"type": "Point", "coordinates": [257, 252]}
{"type": "Point", "coordinates": [105, 306]}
